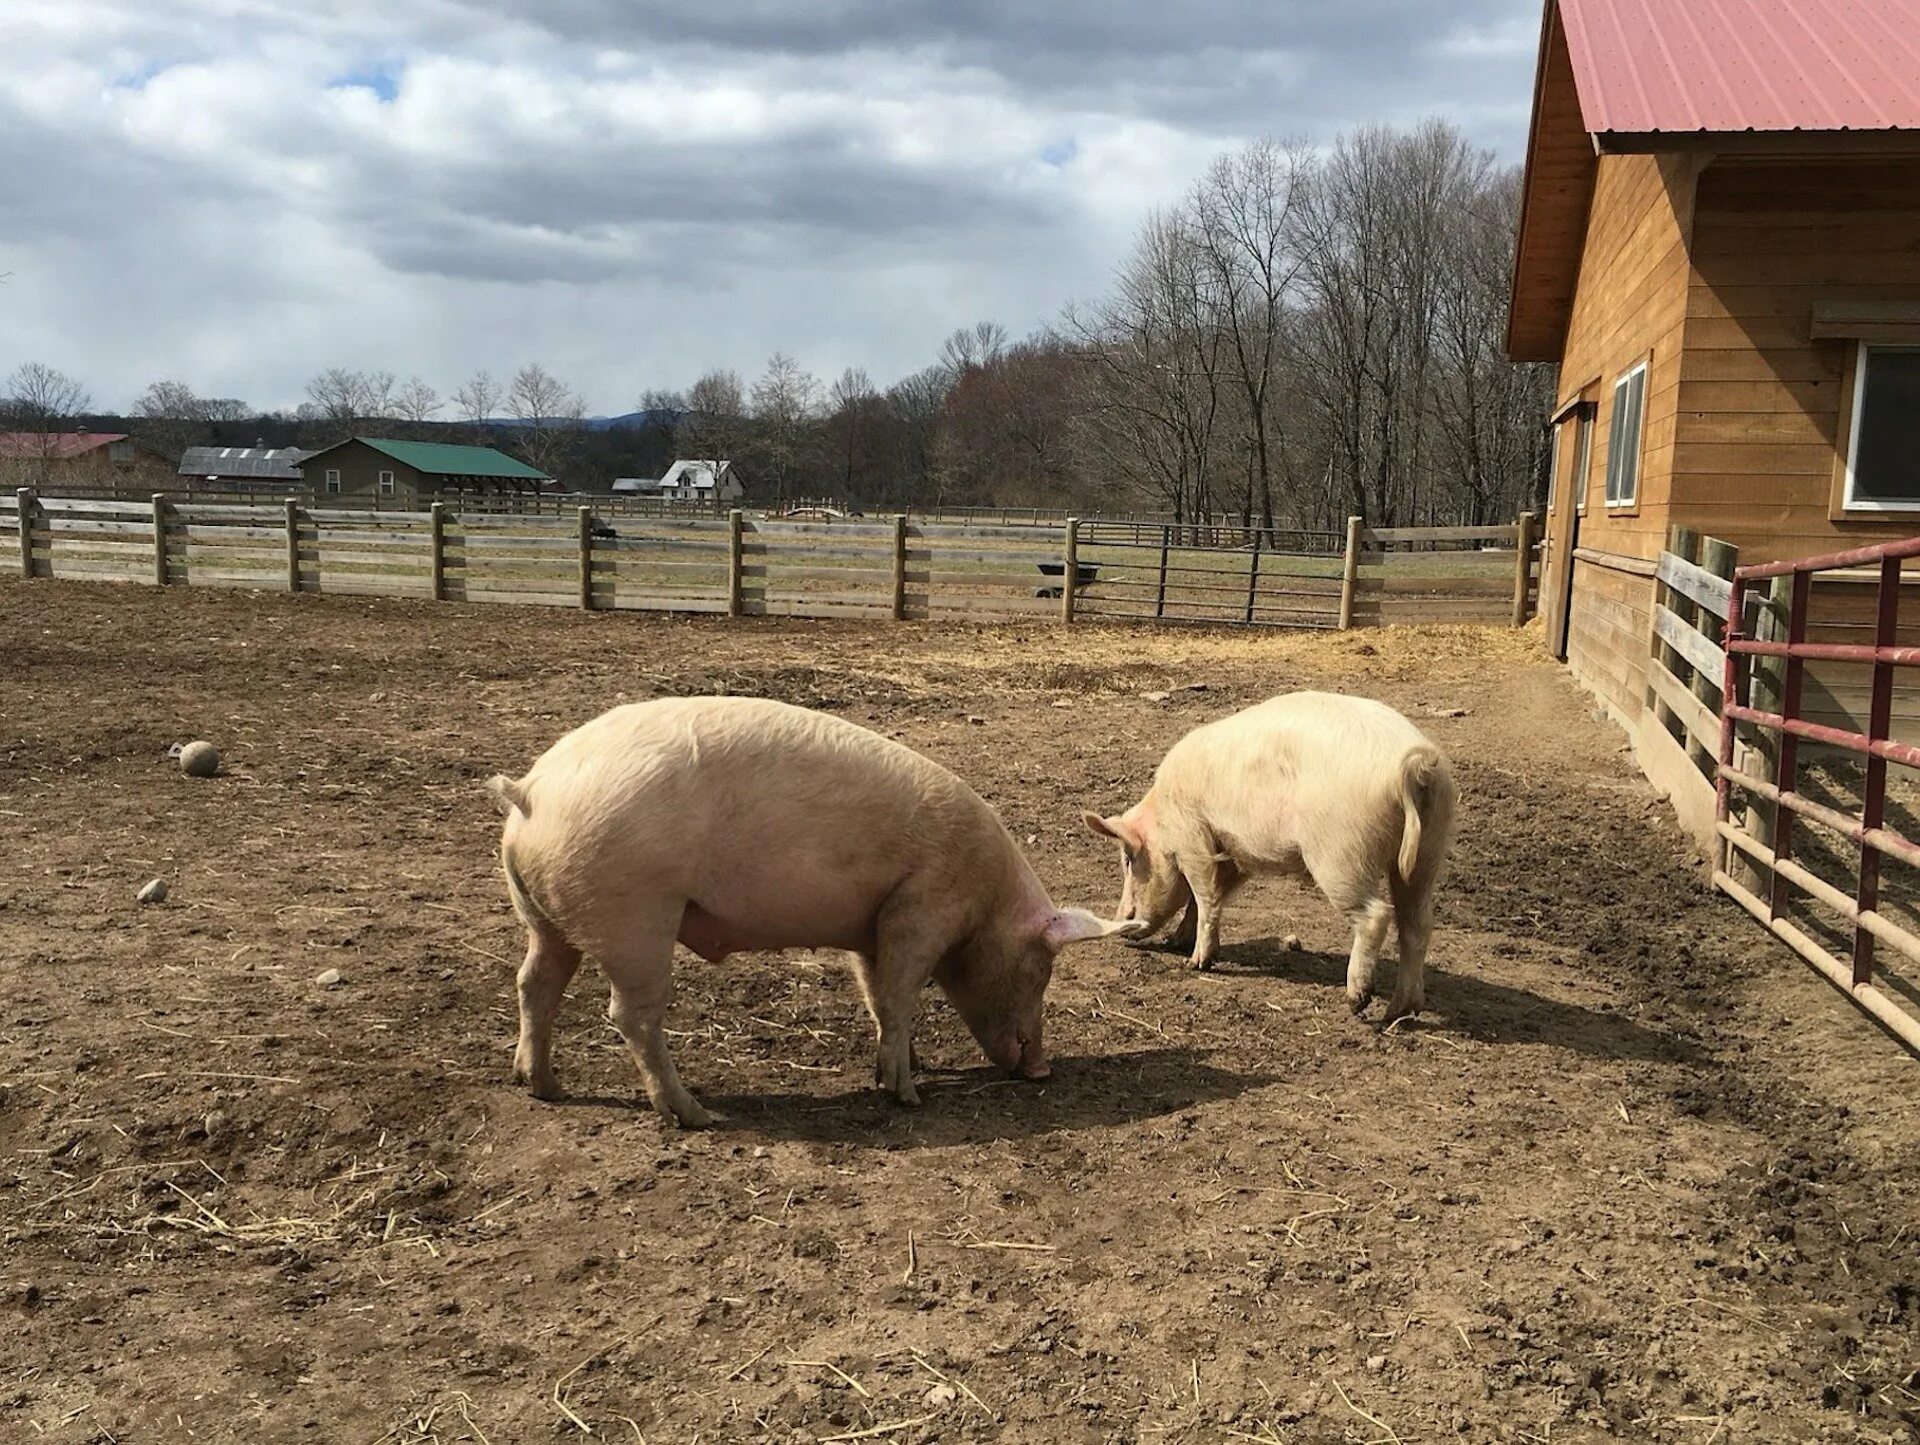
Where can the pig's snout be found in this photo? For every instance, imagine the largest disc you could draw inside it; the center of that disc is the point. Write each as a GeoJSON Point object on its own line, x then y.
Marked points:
{"type": "Point", "coordinates": [1031, 1062]}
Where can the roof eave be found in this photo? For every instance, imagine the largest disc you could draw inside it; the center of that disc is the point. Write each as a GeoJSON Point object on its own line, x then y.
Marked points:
{"type": "Point", "coordinates": [1538, 332]}
{"type": "Point", "coordinates": [1805, 143]}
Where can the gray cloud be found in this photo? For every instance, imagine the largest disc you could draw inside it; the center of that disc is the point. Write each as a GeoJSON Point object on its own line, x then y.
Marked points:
{"type": "Point", "coordinates": [633, 192]}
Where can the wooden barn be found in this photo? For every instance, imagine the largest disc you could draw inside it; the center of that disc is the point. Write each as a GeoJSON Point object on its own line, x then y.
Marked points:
{"type": "Point", "coordinates": [1720, 246]}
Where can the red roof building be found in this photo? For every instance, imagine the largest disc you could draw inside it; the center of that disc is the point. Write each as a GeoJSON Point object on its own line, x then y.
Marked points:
{"type": "Point", "coordinates": [1720, 246]}
{"type": "Point", "coordinates": [80, 461]}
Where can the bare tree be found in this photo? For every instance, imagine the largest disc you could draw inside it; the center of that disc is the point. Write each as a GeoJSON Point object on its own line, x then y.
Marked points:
{"type": "Point", "coordinates": [1248, 238]}
{"type": "Point", "coordinates": [172, 417]}
{"type": "Point", "coordinates": [714, 425]}
{"type": "Point", "coordinates": [974, 345]}
{"type": "Point", "coordinates": [416, 401]}
{"type": "Point", "coordinates": [785, 399]}
{"type": "Point", "coordinates": [40, 402]}
{"type": "Point", "coordinates": [478, 397]}
{"type": "Point", "coordinates": [339, 395]}
{"type": "Point", "coordinates": [549, 413]}
{"type": "Point", "coordinates": [1155, 388]}
{"type": "Point", "coordinates": [852, 402]}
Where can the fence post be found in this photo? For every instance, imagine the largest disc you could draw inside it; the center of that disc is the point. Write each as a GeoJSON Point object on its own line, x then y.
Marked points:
{"type": "Point", "coordinates": [1684, 543]}
{"type": "Point", "coordinates": [1160, 592]}
{"type": "Point", "coordinates": [1070, 571]}
{"type": "Point", "coordinates": [1350, 572]}
{"type": "Point", "coordinates": [1522, 567]}
{"type": "Point", "coordinates": [736, 577]}
{"type": "Point", "coordinates": [28, 505]}
{"type": "Point", "coordinates": [293, 545]}
{"type": "Point", "coordinates": [1253, 576]}
{"type": "Point", "coordinates": [586, 558]}
{"type": "Point", "coordinates": [900, 568]}
{"type": "Point", "coordinates": [437, 549]}
{"type": "Point", "coordinates": [160, 539]}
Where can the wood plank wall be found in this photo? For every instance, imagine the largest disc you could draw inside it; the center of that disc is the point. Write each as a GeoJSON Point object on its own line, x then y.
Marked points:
{"type": "Point", "coordinates": [1760, 401]}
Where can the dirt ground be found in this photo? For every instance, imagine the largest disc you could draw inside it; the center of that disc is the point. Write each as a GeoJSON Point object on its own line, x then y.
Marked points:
{"type": "Point", "coordinates": [1635, 1173]}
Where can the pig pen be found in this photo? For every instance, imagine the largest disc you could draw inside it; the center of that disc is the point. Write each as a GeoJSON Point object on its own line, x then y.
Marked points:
{"type": "Point", "coordinates": [1634, 1173]}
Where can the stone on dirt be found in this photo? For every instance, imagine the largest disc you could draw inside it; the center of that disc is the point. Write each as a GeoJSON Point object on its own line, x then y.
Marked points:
{"type": "Point", "coordinates": [330, 979]}
{"type": "Point", "coordinates": [200, 759]}
{"type": "Point", "coordinates": [154, 892]}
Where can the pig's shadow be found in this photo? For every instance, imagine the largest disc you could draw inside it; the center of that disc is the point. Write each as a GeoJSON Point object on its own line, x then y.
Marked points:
{"type": "Point", "coordinates": [1467, 1006]}
{"type": "Point", "coordinates": [977, 1106]}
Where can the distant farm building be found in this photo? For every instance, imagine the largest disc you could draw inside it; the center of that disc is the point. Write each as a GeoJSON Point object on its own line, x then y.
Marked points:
{"type": "Point", "coordinates": [91, 461]}
{"type": "Point", "coordinates": [264, 468]}
{"type": "Point", "coordinates": [713, 483]}
{"type": "Point", "coordinates": [416, 473]}
{"type": "Point", "coordinates": [1720, 246]}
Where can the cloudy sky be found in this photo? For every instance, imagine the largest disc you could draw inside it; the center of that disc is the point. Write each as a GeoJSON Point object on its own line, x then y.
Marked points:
{"type": "Point", "coordinates": [238, 193]}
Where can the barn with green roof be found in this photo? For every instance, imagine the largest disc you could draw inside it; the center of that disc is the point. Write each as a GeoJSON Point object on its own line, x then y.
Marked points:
{"type": "Point", "coordinates": [415, 473]}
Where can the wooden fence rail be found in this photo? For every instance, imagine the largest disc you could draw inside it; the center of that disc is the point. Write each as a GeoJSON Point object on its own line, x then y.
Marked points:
{"type": "Point", "coordinates": [731, 563]}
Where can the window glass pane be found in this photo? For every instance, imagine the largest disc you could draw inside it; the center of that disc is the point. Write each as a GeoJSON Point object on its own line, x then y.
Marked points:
{"type": "Point", "coordinates": [1886, 449]}
{"type": "Point", "coordinates": [1623, 439]}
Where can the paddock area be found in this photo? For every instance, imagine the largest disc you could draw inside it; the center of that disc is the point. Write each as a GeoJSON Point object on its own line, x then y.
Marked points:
{"type": "Point", "coordinates": [1635, 1173]}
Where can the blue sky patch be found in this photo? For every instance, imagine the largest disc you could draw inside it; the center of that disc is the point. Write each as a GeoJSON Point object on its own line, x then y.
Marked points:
{"type": "Point", "coordinates": [381, 78]}
{"type": "Point", "coordinates": [1060, 152]}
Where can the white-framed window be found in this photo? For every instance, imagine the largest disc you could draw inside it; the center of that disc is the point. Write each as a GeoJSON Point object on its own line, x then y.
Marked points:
{"type": "Point", "coordinates": [1623, 438]}
{"type": "Point", "coordinates": [1883, 440]}
{"type": "Point", "coordinates": [333, 479]}
{"type": "Point", "coordinates": [386, 484]}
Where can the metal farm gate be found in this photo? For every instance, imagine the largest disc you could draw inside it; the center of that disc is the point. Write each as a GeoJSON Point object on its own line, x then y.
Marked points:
{"type": "Point", "coordinates": [1768, 767]}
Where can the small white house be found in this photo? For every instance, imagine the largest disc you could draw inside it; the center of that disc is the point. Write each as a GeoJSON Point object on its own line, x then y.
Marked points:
{"type": "Point", "coordinates": [712, 483]}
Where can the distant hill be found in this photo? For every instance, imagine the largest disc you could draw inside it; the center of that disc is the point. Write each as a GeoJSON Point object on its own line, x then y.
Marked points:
{"type": "Point", "coordinates": [630, 421]}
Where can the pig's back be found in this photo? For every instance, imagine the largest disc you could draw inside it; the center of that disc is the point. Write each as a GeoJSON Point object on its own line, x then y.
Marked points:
{"type": "Point", "coordinates": [1272, 772]}
{"type": "Point", "coordinates": [687, 790]}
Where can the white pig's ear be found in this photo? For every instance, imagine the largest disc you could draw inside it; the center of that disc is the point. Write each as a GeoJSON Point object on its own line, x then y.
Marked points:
{"type": "Point", "coordinates": [1076, 925]}
{"type": "Point", "coordinates": [1117, 829]}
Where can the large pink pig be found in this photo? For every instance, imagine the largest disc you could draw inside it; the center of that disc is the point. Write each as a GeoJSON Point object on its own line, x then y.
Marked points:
{"type": "Point", "coordinates": [735, 824]}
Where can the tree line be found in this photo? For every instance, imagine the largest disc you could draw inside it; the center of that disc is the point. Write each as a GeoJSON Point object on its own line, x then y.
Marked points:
{"type": "Point", "coordinates": [1307, 333]}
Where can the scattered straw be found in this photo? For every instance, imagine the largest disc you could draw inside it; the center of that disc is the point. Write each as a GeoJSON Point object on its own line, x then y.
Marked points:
{"type": "Point", "coordinates": [913, 1260]}
{"type": "Point", "coordinates": [1386, 1430]}
{"type": "Point", "coordinates": [888, 1429]}
{"type": "Point", "coordinates": [854, 1384]}
{"type": "Point", "coordinates": [560, 1386]}
{"type": "Point", "coordinates": [959, 1385]}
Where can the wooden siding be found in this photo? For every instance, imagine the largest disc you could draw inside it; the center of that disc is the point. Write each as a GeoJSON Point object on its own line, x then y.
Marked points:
{"type": "Point", "coordinates": [1630, 305]}
{"type": "Point", "coordinates": [1609, 636]}
{"type": "Point", "coordinates": [1759, 414]}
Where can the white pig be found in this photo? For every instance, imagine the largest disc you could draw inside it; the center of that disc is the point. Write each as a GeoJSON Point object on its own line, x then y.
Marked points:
{"type": "Point", "coordinates": [1343, 789]}
{"type": "Point", "coordinates": [734, 824]}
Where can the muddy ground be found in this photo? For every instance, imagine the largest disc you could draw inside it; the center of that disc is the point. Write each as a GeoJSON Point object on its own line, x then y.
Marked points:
{"type": "Point", "coordinates": [1635, 1173]}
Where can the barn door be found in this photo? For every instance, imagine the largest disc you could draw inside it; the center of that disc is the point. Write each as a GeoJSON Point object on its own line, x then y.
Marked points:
{"type": "Point", "coordinates": [1566, 495]}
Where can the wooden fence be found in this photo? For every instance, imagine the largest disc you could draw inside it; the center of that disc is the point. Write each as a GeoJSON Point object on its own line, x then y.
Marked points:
{"type": "Point", "coordinates": [741, 566]}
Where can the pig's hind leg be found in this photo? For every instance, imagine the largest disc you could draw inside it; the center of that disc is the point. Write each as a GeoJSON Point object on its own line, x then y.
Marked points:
{"type": "Point", "coordinates": [551, 962]}
{"type": "Point", "coordinates": [640, 968]}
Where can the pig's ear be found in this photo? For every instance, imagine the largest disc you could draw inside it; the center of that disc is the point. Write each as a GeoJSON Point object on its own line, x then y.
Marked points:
{"type": "Point", "coordinates": [1076, 925]}
{"type": "Point", "coordinates": [1117, 829]}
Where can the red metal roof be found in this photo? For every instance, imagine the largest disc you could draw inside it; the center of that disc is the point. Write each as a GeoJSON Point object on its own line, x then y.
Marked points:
{"type": "Point", "coordinates": [55, 445]}
{"type": "Point", "coordinates": [1644, 66]}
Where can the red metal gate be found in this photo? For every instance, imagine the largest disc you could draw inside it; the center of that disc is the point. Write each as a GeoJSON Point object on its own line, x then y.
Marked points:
{"type": "Point", "coordinates": [1788, 804]}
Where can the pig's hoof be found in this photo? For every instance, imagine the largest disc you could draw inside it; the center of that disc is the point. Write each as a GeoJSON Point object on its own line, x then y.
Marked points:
{"type": "Point", "coordinates": [542, 1083]}
{"type": "Point", "coordinates": [908, 1096]}
{"type": "Point", "coordinates": [689, 1115]}
{"type": "Point", "coordinates": [1201, 965]}
{"type": "Point", "coordinates": [1398, 1010]}
{"type": "Point", "coordinates": [1358, 999]}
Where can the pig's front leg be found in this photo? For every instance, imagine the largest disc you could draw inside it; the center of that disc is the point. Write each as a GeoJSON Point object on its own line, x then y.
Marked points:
{"type": "Point", "coordinates": [1187, 933]}
{"type": "Point", "coordinates": [909, 942]}
{"type": "Point", "coordinates": [864, 972]}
